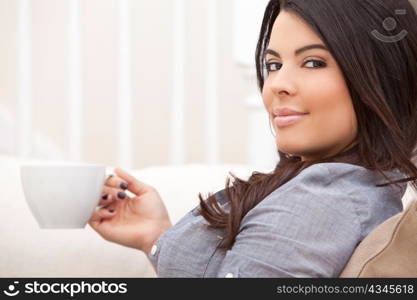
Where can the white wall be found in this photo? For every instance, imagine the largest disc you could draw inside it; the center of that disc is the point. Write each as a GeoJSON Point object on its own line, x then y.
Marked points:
{"type": "Point", "coordinates": [152, 49]}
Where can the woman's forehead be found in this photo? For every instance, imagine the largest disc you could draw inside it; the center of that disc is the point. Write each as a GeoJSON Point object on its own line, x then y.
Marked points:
{"type": "Point", "coordinates": [290, 33]}
{"type": "Point", "coordinates": [288, 28]}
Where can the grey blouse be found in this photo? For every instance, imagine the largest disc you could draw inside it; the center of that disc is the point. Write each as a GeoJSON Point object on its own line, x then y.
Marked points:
{"type": "Point", "coordinates": [308, 227]}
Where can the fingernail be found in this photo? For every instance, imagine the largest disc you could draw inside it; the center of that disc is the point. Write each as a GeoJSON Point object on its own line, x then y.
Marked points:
{"type": "Point", "coordinates": [121, 195]}
{"type": "Point", "coordinates": [105, 197]}
{"type": "Point", "coordinates": [124, 185]}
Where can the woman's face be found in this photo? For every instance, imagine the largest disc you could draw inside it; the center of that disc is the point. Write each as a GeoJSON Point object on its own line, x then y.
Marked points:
{"type": "Point", "coordinates": [309, 82]}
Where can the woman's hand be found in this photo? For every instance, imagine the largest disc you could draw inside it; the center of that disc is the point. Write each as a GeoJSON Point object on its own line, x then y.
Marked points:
{"type": "Point", "coordinates": [135, 222]}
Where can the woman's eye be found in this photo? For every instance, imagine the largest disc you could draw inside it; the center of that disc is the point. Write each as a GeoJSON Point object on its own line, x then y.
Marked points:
{"type": "Point", "coordinates": [271, 67]}
{"type": "Point", "coordinates": [317, 63]}
{"type": "Point", "coordinates": [311, 64]}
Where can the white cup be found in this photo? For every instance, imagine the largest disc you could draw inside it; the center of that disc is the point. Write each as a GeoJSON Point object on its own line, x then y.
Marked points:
{"type": "Point", "coordinates": [62, 195]}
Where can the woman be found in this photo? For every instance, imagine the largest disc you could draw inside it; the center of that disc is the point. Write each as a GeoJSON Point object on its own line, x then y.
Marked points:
{"type": "Point", "coordinates": [341, 89]}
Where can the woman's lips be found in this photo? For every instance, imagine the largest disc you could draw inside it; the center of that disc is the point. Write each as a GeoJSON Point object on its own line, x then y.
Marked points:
{"type": "Point", "coordinates": [282, 121]}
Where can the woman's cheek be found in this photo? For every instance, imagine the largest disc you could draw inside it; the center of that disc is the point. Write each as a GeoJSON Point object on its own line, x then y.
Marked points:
{"type": "Point", "coordinates": [332, 125]}
{"type": "Point", "coordinates": [267, 101]}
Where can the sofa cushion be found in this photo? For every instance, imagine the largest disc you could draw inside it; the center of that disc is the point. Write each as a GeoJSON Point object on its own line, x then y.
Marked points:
{"type": "Point", "coordinates": [390, 250]}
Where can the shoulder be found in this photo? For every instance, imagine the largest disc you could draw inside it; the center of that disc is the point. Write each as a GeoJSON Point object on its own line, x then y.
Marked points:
{"type": "Point", "coordinates": [327, 181]}
{"type": "Point", "coordinates": [305, 228]}
{"type": "Point", "coordinates": [310, 226]}
{"type": "Point", "coordinates": [339, 192]}
{"type": "Point", "coordinates": [329, 173]}
{"type": "Point", "coordinates": [341, 178]}
{"type": "Point", "coordinates": [322, 195]}
{"type": "Point", "coordinates": [335, 172]}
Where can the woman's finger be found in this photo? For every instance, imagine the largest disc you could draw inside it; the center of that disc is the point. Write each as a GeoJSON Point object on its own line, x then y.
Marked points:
{"type": "Point", "coordinates": [106, 199]}
{"type": "Point", "coordinates": [134, 185]}
{"type": "Point", "coordinates": [116, 182]}
{"type": "Point", "coordinates": [111, 194]}
{"type": "Point", "coordinates": [101, 215]}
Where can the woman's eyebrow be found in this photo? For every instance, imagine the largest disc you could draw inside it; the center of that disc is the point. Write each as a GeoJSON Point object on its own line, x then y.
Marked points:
{"type": "Point", "coordinates": [298, 51]}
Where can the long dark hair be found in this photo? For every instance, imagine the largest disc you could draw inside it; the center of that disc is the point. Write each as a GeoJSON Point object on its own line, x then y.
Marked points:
{"type": "Point", "coordinates": [382, 79]}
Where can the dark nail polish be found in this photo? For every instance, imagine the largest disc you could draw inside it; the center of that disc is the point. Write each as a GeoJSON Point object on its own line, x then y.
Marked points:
{"type": "Point", "coordinates": [105, 197]}
{"type": "Point", "coordinates": [121, 195]}
{"type": "Point", "coordinates": [123, 186]}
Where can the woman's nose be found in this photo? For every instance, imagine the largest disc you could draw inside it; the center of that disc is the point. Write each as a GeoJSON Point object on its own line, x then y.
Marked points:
{"type": "Point", "coordinates": [283, 82]}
